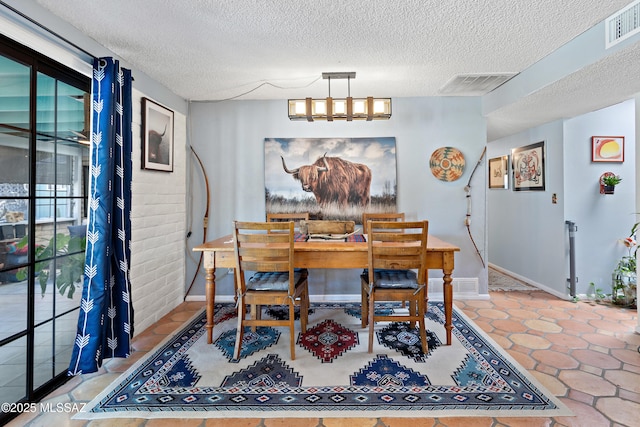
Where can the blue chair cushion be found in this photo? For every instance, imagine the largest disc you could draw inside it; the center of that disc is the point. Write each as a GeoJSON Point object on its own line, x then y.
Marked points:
{"type": "Point", "coordinates": [389, 279]}
{"type": "Point", "coordinates": [272, 281]}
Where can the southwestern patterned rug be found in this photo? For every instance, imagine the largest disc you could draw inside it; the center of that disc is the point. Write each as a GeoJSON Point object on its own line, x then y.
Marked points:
{"type": "Point", "coordinates": [332, 375]}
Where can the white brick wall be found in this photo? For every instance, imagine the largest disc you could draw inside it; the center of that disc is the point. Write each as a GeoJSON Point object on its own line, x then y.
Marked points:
{"type": "Point", "coordinates": [158, 228]}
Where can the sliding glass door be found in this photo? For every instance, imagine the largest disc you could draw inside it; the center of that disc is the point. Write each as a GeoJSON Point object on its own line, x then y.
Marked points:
{"type": "Point", "coordinates": [44, 129]}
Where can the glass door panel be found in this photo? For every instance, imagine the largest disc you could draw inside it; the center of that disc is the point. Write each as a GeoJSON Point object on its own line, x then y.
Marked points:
{"type": "Point", "coordinates": [44, 157]}
{"type": "Point", "coordinates": [13, 370]}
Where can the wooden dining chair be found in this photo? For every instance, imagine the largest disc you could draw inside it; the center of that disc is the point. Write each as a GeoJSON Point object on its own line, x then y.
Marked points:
{"type": "Point", "coordinates": [379, 216]}
{"type": "Point", "coordinates": [397, 257]}
{"type": "Point", "coordinates": [296, 217]}
{"type": "Point", "coordinates": [382, 216]}
{"type": "Point", "coordinates": [270, 256]}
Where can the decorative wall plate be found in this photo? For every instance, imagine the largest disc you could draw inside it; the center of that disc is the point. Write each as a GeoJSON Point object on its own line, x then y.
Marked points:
{"type": "Point", "coordinates": [447, 163]}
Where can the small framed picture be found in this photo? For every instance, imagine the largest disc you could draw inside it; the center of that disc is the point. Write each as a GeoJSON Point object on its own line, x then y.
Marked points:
{"type": "Point", "coordinates": [499, 172]}
{"type": "Point", "coordinates": [528, 167]}
{"type": "Point", "coordinates": [157, 136]}
{"type": "Point", "coordinates": [607, 149]}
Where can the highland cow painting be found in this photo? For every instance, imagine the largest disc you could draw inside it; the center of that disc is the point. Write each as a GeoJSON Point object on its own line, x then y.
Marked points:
{"type": "Point", "coordinates": [331, 178]}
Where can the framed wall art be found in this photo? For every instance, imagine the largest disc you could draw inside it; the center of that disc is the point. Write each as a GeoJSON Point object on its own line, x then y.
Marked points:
{"type": "Point", "coordinates": [157, 136]}
{"type": "Point", "coordinates": [499, 172]}
{"type": "Point", "coordinates": [528, 167]}
{"type": "Point", "coordinates": [607, 149]}
{"type": "Point", "coordinates": [330, 178]}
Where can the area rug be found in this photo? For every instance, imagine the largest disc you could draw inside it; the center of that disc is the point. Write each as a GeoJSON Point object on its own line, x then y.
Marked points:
{"type": "Point", "coordinates": [332, 375]}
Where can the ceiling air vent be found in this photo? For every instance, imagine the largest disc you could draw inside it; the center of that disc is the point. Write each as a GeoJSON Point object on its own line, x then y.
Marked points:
{"type": "Point", "coordinates": [474, 84]}
{"type": "Point", "coordinates": [623, 24]}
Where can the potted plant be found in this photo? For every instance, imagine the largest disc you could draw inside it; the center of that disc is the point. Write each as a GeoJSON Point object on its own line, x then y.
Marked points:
{"type": "Point", "coordinates": [69, 268]}
{"type": "Point", "coordinates": [610, 182]}
{"type": "Point", "coordinates": [624, 281]}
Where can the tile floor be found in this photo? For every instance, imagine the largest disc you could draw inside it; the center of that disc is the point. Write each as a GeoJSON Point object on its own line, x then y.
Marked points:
{"type": "Point", "coordinates": [585, 353]}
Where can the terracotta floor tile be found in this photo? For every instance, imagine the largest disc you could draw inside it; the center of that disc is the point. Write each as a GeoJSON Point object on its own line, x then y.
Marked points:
{"type": "Point", "coordinates": [530, 341]}
{"type": "Point", "coordinates": [523, 359]}
{"type": "Point", "coordinates": [57, 419]}
{"type": "Point", "coordinates": [463, 422]}
{"type": "Point", "coordinates": [485, 325]}
{"type": "Point", "coordinates": [542, 325]}
{"type": "Point", "coordinates": [408, 422]}
{"type": "Point", "coordinates": [604, 340]}
{"type": "Point", "coordinates": [547, 369]}
{"type": "Point", "coordinates": [479, 304]}
{"type": "Point", "coordinates": [609, 325]}
{"type": "Point", "coordinates": [597, 359]}
{"type": "Point", "coordinates": [555, 386]}
{"type": "Point", "coordinates": [620, 411]}
{"type": "Point", "coordinates": [581, 397]}
{"type": "Point", "coordinates": [345, 422]}
{"type": "Point", "coordinates": [584, 415]}
{"type": "Point", "coordinates": [628, 395]}
{"type": "Point", "coordinates": [502, 341]}
{"type": "Point", "coordinates": [580, 314]}
{"type": "Point", "coordinates": [591, 370]}
{"type": "Point", "coordinates": [124, 364]}
{"type": "Point", "coordinates": [506, 304]}
{"type": "Point", "coordinates": [567, 341]}
{"type": "Point", "coordinates": [300, 422]}
{"type": "Point", "coordinates": [555, 359]}
{"type": "Point", "coordinates": [174, 422]}
{"type": "Point", "coordinates": [587, 383]}
{"type": "Point", "coordinates": [234, 422]}
{"type": "Point", "coordinates": [627, 356]}
{"type": "Point", "coordinates": [523, 314]}
{"type": "Point", "coordinates": [166, 328]}
{"type": "Point", "coordinates": [631, 368]}
{"type": "Point", "coordinates": [554, 313]}
{"type": "Point", "coordinates": [509, 325]}
{"type": "Point", "coordinates": [91, 388]}
{"type": "Point", "coordinates": [126, 422]}
{"type": "Point", "coordinates": [524, 422]}
{"type": "Point", "coordinates": [146, 341]}
{"type": "Point", "coordinates": [492, 313]}
{"type": "Point", "coordinates": [535, 303]}
{"type": "Point", "coordinates": [576, 327]}
{"type": "Point", "coordinates": [625, 380]}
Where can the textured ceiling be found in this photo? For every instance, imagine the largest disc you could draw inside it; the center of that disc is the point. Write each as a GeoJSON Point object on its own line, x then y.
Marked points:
{"type": "Point", "coordinates": [277, 49]}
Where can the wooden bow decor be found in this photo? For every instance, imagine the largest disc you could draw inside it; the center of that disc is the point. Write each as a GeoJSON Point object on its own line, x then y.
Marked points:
{"type": "Point", "coordinates": [467, 220]}
{"type": "Point", "coordinates": [205, 219]}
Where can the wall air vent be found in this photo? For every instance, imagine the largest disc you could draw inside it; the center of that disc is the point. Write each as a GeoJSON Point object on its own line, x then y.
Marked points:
{"type": "Point", "coordinates": [623, 24]}
{"type": "Point", "coordinates": [474, 84]}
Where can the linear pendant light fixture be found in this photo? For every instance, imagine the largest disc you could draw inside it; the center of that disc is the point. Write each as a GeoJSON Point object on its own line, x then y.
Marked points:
{"type": "Point", "coordinates": [348, 108]}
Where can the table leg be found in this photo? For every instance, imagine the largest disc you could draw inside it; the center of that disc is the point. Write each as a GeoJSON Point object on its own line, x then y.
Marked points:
{"type": "Point", "coordinates": [210, 292]}
{"type": "Point", "coordinates": [447, 289]}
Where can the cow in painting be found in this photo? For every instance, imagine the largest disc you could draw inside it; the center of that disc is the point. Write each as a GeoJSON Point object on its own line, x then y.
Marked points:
{"type": "Point", "coordinates": [333, 180]}
{"type": "Point", "coordinates": [157, 153]}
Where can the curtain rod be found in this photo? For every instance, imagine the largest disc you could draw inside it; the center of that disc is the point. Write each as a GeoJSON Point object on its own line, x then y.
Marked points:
{"type": "Point", "coordinates": [36, 23]}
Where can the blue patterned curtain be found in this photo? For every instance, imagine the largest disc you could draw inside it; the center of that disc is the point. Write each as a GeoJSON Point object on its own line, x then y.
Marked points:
{"type": "Point", "coordinates": [105, 323]}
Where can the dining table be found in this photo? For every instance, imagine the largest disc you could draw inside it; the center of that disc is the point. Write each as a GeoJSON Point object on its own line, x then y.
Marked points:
{"type": "Point", "coordinates": [338, 254]}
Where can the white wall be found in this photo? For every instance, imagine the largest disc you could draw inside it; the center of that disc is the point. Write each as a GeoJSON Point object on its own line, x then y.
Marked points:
{"type": "Point", "coordinates": [527, 233]}
{"type": "Point", "coordinates": [157, 227]}
{"type": "Point", "coordinates": [229, 137]}
{"type": "Point", "coordinates": [602, 220]}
